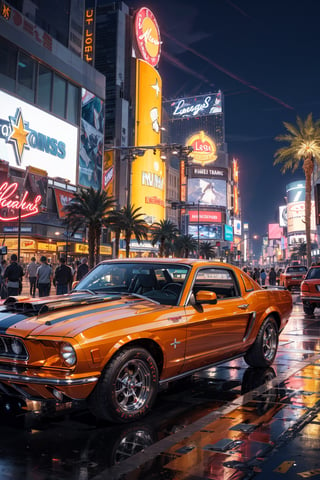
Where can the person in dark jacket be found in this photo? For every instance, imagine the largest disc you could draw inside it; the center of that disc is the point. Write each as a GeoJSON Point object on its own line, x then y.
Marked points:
{"type": "Point", "coordinates": [272, 276]}
{"type": "Point", "coordinates": [83, 269]}
{"type": "Point", "coordinates": [13, 276]}
{"type": "Point", "coordinates": [62, 277]}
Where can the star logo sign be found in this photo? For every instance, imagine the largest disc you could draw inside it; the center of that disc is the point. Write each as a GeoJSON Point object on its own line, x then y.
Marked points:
{"type": "Point", "coordinates": [19, 134]}
{"type": "Point", "coordinates": [156, 87]}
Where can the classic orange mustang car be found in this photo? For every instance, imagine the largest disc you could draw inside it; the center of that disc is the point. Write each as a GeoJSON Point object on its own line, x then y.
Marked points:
{"type": "Point", "coordinates": [130, 326]}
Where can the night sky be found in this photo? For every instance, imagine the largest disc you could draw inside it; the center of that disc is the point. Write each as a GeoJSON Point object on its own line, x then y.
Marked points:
{"type": "Point", "coordinates": [265, 57]}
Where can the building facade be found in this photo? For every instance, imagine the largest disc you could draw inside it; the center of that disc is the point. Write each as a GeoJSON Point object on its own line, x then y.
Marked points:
{"type": "Point", "coordinates": [51, 125]}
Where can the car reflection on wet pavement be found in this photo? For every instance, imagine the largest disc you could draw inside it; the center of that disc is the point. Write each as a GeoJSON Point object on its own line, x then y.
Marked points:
{"type": "Point", "coordinates": [228, 422]}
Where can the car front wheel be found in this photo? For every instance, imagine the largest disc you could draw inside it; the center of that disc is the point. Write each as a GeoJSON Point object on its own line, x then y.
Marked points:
{"type": "Point", "coordinates": [127, 388]}
{"type": "Point", "coordinates": [264, 349]}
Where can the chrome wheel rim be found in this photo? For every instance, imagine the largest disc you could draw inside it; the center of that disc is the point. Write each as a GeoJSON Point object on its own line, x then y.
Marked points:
{"type": "Point", "coordinates": [270, 342]}
{"type": "Point", "coordinates": [132, 386]}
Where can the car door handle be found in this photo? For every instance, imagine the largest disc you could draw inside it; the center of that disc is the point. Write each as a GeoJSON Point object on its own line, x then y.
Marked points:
{"type": "Point", "coordinates": [243, 306]}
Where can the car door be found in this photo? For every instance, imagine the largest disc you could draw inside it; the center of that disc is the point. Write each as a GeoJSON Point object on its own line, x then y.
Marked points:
{"type": "Point", "coordinates": [215, 331]}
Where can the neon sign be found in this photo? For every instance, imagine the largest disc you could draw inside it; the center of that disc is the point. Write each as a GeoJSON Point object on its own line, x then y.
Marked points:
{"type": "Point", "coordinates": [204, 149]}
{"type": "Point", "coordinates": [26, 207]}
{"type": "Point", "coordinates": [148, 36]}
{"type": "Point", "coordinates": [88, 48]}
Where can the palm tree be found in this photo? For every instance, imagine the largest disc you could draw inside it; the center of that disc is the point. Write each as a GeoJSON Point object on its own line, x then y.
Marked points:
{"type": "Point", "coordinates": [114, 223]}
{"type": "Point", "coordinates": [207, 250]}
{"type": "Point", "coordinates": [184, 245]}
{"type": "Point", "coordinates": [163, 232]}
{"type": "Point", "coordinates": [88, 209]}
{"type": "Point", "coordinates": [303, 146]}
{"type": "Point", "coordinates": [131, 222]}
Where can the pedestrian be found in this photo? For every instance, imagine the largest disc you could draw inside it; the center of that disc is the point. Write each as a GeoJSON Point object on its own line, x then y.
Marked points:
{"type": "Point", "coordinates": [44, 277]}
{"type": "Point", "coordinates": [83, 269]}
{"type": "Point", "coordinates": [272, 276]}
{"type": "Point", "coordinates": [3, 286]}
{"type": "Point", "coordinates": [31, 273]}
{"type": "Point", "coordinates": [13, 276]}
{"type": "Point", "coordinates": [62, 277]}
{"type": "Point", "coordinates": [263, 276]}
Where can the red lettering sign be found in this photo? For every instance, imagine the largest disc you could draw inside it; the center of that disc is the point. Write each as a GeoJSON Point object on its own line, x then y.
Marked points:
{"type": "Point", "coordinates": [26, 207]}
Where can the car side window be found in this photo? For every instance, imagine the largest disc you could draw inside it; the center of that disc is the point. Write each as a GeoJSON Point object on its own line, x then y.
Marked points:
{"type": "Point", "coordinates": [218, 280]}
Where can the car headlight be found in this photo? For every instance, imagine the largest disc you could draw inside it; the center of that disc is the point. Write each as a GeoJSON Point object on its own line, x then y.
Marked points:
{"type": "Point", "coordinates": [68, 354]}
{"type": "Point", "coordinates": [16, 346]}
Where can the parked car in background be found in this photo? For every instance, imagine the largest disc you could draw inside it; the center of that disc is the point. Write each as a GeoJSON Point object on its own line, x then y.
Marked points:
{"type": "Point", "coordinates": [132, 325]}
{"type": "Point", "coordinates": [292, 276]}
{"type": "Point", "coordinates": [310, 290]}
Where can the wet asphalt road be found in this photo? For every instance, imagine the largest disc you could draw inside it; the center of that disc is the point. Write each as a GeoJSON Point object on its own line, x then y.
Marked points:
{"type": "Point", "coordinates": [229, 422]}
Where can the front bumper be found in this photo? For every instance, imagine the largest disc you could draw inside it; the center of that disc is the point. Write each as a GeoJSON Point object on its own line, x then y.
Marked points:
{"type": "Point", "coordinates": [45, 388]}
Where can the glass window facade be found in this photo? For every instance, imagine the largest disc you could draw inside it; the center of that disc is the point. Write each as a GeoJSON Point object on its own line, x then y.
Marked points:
{"type": "Point", "coordinates": [8, 65]}
{"type": "Point", "coordinates": [44, 87]}
{"type": "Point", "coordinates": [59, 96]}
{"type": "Point", "coordinates": [26, 77]}
{"type": "Point", "coordinates": [36, 83]}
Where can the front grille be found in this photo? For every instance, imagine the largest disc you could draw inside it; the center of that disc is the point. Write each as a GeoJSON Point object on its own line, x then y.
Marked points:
{"type": "Point", "coordinates": [12, 347]}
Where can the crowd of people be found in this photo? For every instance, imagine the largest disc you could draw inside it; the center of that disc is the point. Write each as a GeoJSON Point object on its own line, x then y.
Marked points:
{"type": "Point", "coordinates": [41, 276]}
{"type": "Point", "coordinates": [264, 277]}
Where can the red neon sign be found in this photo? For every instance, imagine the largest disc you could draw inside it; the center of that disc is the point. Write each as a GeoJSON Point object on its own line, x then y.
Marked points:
{"type": "Point", "coordinates": [27, 208]}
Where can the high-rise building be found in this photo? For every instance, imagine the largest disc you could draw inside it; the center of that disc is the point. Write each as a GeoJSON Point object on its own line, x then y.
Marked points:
{"type": "Point", "coordinates": [51, 124]}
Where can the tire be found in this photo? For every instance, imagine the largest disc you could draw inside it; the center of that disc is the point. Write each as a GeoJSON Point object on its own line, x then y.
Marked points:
{"type": "Point", "coordinates": [308, 309]}
{"type": "Point", "coordinates": [264, 349]}
{"type": "Point", "coordinates": [127, 388]}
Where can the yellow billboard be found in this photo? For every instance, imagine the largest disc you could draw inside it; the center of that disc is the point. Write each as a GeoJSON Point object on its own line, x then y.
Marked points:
{"type": "Point", "coordinates": [148, 171]}
{"type": "Point", "coordinates": [108, 172]}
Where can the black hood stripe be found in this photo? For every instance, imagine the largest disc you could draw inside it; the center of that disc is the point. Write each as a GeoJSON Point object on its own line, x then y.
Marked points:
{"type": "Point", "coordinates": [85, 313]}
{"type": "Point", "coordinates": [6, 321]}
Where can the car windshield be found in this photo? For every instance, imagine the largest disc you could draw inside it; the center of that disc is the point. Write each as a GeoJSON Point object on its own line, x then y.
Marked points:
{"type": "Point", "coordinates": [313, 273]}
{"type": "Point", "coordinates": [160, 282]}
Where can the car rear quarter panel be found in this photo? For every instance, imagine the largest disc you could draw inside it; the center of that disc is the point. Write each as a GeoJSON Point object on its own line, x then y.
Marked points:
{"type": "Point", "coordinates": [267, 302]}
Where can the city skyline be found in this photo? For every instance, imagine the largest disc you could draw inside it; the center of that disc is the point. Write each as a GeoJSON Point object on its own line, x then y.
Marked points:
{"type": "Point", "coordinates": [266, 71]}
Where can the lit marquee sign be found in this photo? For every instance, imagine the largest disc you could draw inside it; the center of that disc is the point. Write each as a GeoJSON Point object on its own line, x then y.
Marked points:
{"type": "Point", "coordinates": [31, 137]}
{"type": "Point", "coordinates": [12, 205]}
{"type": "Point", "coordinates": [204, 148]}
{"type": "Point", "coordinates": [88, 43]}
{"type": "Point", "coordinates": [147, 36]}
{"type": "Point", "coordinates": [148, 175]}
{"type": "Point", "coordinates": [210, 104]}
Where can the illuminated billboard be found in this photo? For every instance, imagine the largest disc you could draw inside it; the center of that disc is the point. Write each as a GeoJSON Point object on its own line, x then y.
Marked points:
{"type": "Point", "coordinates": [207, 172]}
{"type": "Point", "coordinates": [108, 172]}
{"type": "Point", "coordinates": [29, 136]}
{"type": "Point", "coordinates": [148, 171]}
{"type": "Point", "coordinates": [147, 36]}
{"type": "Point", "coordinates": [275, 232]}
{"type": "Point", "coordinates": [204, 216]}
{"type": "Point", "coordinates": [296, 217]}
{"type": "Point", "coordinates": [204, 149]}
{"type": "Point", "coordinates": [89, 35]}
{"type": "Point", "coordinates": [207, 192]}
{"type": "Point", "coordinates": [228, 233]}
{"type": "Point", "coordinates": [91, 140]}
{"type": "Point", "coordinates": [202, 105]}
{"type": "Point", "coordinates": [206, 232]}
{"type": "Point", "coordinates": [237, 226]}
{"type": "Point", "coordinates": [283, 216]}
{"type": "Point", "coordinates": [296, 194]}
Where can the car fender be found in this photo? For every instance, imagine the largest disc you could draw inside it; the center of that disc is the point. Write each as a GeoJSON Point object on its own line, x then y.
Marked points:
{"type": "Point", "coordinates": [130, 339]}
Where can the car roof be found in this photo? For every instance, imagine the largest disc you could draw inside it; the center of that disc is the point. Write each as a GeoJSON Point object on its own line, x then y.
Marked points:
{"type": "Point", "coordinates": [173, 261]}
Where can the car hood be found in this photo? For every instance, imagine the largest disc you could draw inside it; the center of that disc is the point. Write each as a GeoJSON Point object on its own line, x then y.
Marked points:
{"type": "Point", "coordinates": [69, 315]}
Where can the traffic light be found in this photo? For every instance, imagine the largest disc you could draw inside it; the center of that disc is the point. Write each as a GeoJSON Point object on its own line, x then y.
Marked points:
{"type": "Point", "coordinates": [218, 244]}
